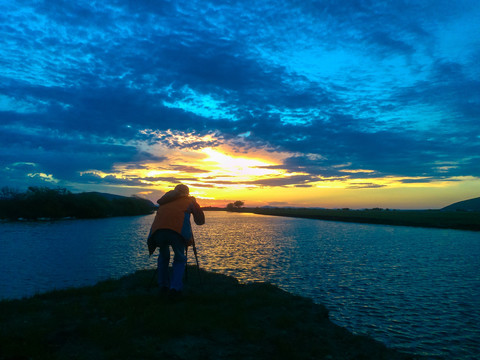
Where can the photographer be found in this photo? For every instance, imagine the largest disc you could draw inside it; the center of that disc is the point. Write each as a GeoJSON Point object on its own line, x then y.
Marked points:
{"type": "Point", "coordinates": [172, 227]}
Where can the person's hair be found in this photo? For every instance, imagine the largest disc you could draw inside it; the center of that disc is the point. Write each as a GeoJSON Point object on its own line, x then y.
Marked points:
{"type": "Point", "coordinates": [182, 189]}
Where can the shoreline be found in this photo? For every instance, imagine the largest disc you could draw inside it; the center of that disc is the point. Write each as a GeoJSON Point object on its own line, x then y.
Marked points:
{"type": "Point", "coordinates": [217, 318]}
{"type": "Point", "coordinates": [455, 220]}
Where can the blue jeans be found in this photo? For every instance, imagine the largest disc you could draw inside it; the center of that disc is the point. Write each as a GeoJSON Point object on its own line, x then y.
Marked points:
{"type": "Point", "coordinates": [164, 238]}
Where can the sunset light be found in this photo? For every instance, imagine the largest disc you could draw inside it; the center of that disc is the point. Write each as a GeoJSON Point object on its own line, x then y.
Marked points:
{"type": "Point", "coordinates": [318, 104]}
{"type": "Point", "coordinates": [242, 169]}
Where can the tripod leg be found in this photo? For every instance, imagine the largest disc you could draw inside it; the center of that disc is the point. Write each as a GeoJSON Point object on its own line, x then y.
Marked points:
{"type": "Point", "coordinates": [198, 265]}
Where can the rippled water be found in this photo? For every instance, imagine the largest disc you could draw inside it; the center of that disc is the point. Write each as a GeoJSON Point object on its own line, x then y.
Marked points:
{"type": "Point", "coordinates": [40, 256]}
{"type": "Point", "coordinates": [415, 289]}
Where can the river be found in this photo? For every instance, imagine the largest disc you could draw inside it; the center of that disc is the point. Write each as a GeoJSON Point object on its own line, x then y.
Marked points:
{"type": "Point", "coordinates": [414, 289]}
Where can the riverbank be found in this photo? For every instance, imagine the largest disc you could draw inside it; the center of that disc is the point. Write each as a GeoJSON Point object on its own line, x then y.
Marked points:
{"type": "Point", "coordinates": [459, 220]}
{"type": "Point", "coordinates": [217, 318]}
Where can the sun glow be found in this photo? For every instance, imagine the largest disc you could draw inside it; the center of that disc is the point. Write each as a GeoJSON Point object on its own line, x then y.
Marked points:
{"type": "Point", "coordinates": [241, 168]}
{"type": "Point", "coordinates": [218, 174]}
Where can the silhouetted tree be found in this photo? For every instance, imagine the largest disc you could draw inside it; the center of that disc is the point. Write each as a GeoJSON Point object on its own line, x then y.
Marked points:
{"type": "Point", "coordinates": [235, 205]}
{"type": "Point", "coordinates": [7, 192]}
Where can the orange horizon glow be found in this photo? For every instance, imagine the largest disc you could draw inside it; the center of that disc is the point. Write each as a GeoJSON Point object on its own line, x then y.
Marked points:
{"type": "Point", "coordinates": [218, 176]}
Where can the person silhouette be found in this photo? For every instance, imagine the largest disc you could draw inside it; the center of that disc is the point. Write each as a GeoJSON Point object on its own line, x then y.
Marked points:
{"type": "Point", "coordinates": [172, 227]}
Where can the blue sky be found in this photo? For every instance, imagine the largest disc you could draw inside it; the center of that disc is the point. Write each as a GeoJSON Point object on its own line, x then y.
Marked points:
{"type": "Point", "coordinates": [358, 98]}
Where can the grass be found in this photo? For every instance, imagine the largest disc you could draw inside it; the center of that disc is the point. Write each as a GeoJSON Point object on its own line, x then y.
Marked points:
{"type": "Point", "coordinates": [221, 319]}
{"type": "Point", "coordinates": [419, 218]}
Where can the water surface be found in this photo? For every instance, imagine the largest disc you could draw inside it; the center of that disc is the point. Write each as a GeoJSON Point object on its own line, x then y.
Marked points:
{"type": "Point", "coordinates": [414, 289]}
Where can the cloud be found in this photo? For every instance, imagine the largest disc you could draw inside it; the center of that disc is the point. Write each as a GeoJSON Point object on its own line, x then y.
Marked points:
{"type": "Point", "coordinates": [93, 178]}
{"type": "Point", "coordinates": [169, 179]}
{"type": "Point", "coordinates": [188, 169]}
{"type": "Point", "coordinates": [277, 203]}
{"type": "Point", "coordinates": [364, 186]}
{"type": "Point", "coordinates": [296, 180]}
{"type": "Point", "coordinates": [375, 85]}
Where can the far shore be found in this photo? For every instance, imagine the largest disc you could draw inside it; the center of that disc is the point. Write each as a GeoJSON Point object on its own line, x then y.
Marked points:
{"type": "Point", "coordinates": [216, 318]}
{"type": "Point", "coordinates": [459, 220]}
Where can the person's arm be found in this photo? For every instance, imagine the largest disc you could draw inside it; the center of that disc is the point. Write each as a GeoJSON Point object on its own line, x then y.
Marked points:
{"type": "Point", "coordinates": [198, 215]}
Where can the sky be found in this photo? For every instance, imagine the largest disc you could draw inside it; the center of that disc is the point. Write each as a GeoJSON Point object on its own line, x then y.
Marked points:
{"type": "Point", "coordinates": [332, 104]}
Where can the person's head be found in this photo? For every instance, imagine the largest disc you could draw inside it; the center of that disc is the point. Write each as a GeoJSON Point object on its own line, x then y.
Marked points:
{"type": "Point", "coordinates": [182, 189]}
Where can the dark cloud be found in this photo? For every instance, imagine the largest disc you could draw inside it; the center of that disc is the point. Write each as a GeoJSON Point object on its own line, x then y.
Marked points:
{"type": "Point", "coordinates": [364, 186]}
{"type": "Point", "coordinates": [91, 178]}
{"type": "Point", "coordinates": [277, 203]}
{"type": "Point", "coordinates": [169, 179]}
{"type": "Point", "coordinates": [187, 169]}
{"type": "Point", "coordinates": [386, 41]}
{"type": "Point", "coordinates": [296, 180]}
{"type": "Point", "coordinates": [341, 85]}
{"type": "Point", "coordinates": [203, 185]}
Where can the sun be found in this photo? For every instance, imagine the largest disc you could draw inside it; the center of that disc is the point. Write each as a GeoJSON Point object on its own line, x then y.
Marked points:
{"type": "Point", "coordinates": [241, 168]}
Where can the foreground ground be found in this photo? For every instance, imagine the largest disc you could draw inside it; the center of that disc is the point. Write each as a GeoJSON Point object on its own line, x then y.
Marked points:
{"type": "Point", "coordinates": [217, 318]}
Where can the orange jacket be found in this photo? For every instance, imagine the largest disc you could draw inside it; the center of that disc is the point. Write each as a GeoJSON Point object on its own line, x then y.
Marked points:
{"type": "Point", "coordinates": [175, 215]}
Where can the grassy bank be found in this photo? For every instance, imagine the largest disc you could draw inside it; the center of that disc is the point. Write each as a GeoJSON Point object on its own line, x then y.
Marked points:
{"type": "Point", "coordinates": [420, 218]}
{"type": "Point", "coordinates": [221, 319]}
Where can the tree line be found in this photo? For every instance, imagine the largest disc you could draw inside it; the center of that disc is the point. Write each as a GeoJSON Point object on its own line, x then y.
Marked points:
{"type": "Point", "coordinates": [44, 202]}
{"type": "Point", "coordinates": [235, 205]}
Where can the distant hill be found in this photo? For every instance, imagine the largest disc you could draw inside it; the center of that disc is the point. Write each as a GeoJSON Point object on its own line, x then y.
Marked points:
{"type": "Point", "coordinates": [46, 203]}
{"type": "Point", "coordinates": [465, 205]}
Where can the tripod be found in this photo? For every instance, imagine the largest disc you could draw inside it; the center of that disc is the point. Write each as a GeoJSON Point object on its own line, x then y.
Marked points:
{"type": "Point", "coordinates": [196, 259]}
